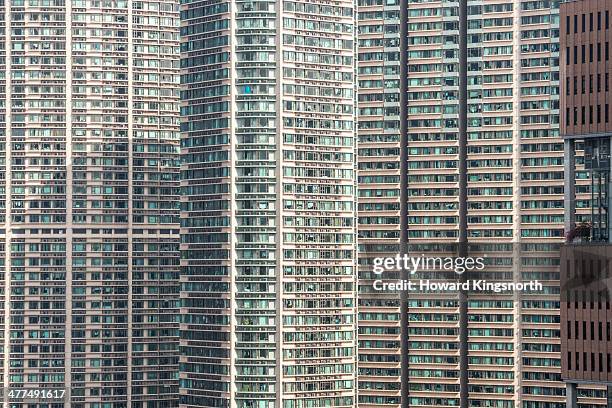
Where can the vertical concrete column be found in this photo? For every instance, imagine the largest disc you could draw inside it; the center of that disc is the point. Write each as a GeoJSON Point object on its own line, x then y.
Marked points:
{"type": "Point", "coordinates": [570, 393]}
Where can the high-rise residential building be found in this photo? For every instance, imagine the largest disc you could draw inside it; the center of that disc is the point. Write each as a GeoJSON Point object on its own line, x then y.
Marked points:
{"type": "Point", "coordinates": [470, 154]}
{"type": "Point", "coordinates": [378, 102]}
{"type": "Point", "coordinates": [90, 234]}
{"type": "Point", "coordinates": [586, 316]}
{"type": "Point", "coordinates": [493, 179]}
{"type": "Point", "coordinates": [268, 279]}
{"type": "Point", "coordinates": [586, 114]}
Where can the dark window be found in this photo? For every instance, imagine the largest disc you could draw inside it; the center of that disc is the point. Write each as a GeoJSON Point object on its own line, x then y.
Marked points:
{"type": "Point", "coordinates": [607, 50]}
{"type": "Point", "coordinates": [576, 124]}
{"type": "Point", "coordinates": [591, 83]}
{"type": "Point", "coordinates": [598, 20]}
{"type": "Point", "coordinates": [598, 82]}
{"type": "Point", "coordinates": [592, 323]}
{"type": "Point", "coordinates": [583, 23]}
{"type": "Point", "coordinates": [575, 85]}
{"type": "Point", "coordinates": [567, 55]}
{"type": "Point", "coordinates": [569, 325]}
{"type": "Point", "coordinates": [583, 83]}
{"type": "Point", "coordinates": [591, 22]}
{"type": "Point", "coordinates": [598, 51]}
{"type": "Point", "coordinates": [599, 121]}
{"type": "Point", "coordinates": [567, 122]}
{"type": "Point", "coordinates": [575, 54]}
{"type": "Point", "coordinates": [583, 121]}
{"type": "Point", "coordinates": [567, 86]}
{"type": "Point", "coordinates": [576, 335]}
{"type": "Point", "coordinates": [600, 325]}
{"type": "Point", "coordinates": [576, 24]}
{"type": "Point", "coordinates": [607, 19]}
{"type": "Point", "coordinates": [590, 52]}
{"type": "Point", "coordinates": [583, 53]}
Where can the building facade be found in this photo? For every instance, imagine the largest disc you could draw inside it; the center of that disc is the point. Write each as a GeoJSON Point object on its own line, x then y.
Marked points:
{"type": "Point", "coordinates": [90, 230]}
{"type": "Point", "coordinates": [508, 207]}
{"type": "Point", "coordinates": [478, 125]}
{"type": "Point", "coordinates": [268, 280]}
{"type": "Point", "coordinates": [378, 101]}
{"type": "Point", "coordinates": [585, 259]}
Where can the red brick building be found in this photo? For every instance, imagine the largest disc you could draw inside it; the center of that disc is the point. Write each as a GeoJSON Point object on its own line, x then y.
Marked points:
{"type": "Point", "coordinates": [586, 126]}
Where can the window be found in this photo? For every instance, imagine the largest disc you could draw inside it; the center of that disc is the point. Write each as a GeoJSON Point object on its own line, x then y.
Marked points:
{"type": "Point", "coordinates": [575, 116]}
{"type": "Point", "coordinates": [576, 336]}
{"type": "Point", "coordinates": [575, 24]}
{"type": "Point", "coordinates": [600, 331]}
{"type": "Point", "coordinates": [575, 85]}
{"type": "Point", "coordinates": [598, 82]}
{"type": "Point", "coordinates": [599, 21]}
{"type": "Point", "coordinates": [599, 52]}
{"type": "Point", "coordinates": [598, 113]}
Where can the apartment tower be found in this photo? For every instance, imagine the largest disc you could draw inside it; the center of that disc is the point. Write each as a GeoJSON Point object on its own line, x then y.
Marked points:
{"type": "Point", "coordinates": [379, 174]}
{"type": "Point", "coordinates": [89, 153]}
{"type": "Point", "coordinates": [466, 161]}
{"type": "Point", "coordinates": [268, 280]}
{"type": "Point", "coordinates": [586, 127]}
